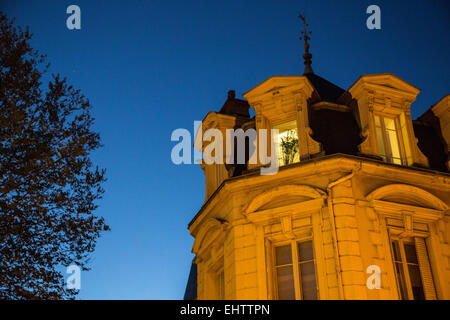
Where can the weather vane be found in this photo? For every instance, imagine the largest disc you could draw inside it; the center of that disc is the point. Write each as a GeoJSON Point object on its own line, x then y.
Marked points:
{"type": "Point", "coordinates": [306, 56]}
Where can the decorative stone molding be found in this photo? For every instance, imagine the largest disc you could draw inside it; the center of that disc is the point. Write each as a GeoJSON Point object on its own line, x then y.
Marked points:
{"type": "Point", "coordinates": [414, 195]}
{"type": "Point", "coordinates": [307, 145]}
{"type": "Point", "coordinates": [285, 190]}
{"type": "Point", "coordinates": [388, 95]}
{"type": "Point", "coordinates": [283, 99]}
{"type": "Point", "coordinates": [212, 230]}
{"type": "Point", "coordinates": [409, 204]}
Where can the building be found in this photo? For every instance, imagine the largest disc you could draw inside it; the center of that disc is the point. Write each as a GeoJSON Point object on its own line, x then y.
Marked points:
{"type": "Point", "coordinates": [364, 192]}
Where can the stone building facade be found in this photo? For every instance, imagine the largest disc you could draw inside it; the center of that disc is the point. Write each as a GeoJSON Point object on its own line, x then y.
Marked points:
{"type": "Point", "coordinates": [366, 194]}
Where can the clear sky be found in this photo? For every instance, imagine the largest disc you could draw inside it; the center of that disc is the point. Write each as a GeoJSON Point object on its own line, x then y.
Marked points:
{"type": "Point", "coordinates": [149, 67]}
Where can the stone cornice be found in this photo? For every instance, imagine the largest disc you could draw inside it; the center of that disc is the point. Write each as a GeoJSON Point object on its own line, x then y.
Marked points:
{"type": "Point", "coordinates": [326, 165]}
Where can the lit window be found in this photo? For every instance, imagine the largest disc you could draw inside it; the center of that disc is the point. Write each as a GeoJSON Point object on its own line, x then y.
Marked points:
{"type": "Point", "coordinates": [287, 142]}
{"type": "Point", "coordinates": [408, 269]}
{"type": "Point", "coordinates": [294, 271]}
{"type": "Point", "coordinates": [388, 139]}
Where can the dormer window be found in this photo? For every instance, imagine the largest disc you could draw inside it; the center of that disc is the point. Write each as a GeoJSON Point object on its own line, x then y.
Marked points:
{"type": "Point", "coordinates": [388, 139]}
{"type": "Point", "coordinates": [287, 143]}
{"type": "Point", "coordinates": [384, 108]}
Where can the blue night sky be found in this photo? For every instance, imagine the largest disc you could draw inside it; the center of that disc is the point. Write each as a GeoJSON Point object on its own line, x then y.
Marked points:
{"type": "Point", "coordinates": [149, 67]}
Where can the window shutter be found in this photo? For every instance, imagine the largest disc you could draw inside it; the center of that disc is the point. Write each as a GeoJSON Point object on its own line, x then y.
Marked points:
{"type": "Point", "coordinates": [425, 269]}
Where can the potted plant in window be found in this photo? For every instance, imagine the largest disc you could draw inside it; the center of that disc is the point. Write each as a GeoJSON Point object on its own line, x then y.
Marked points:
{"type": "Point", "coordinates": [289, 147]}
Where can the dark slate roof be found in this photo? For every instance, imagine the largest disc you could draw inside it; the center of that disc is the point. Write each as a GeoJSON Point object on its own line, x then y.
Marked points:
{"type": "Point", "coordinates": [235, 107]}
{"type": "Point", "coordinates": [431, 146]}
{"type": "Point", "coordinates": [327, 91]}
{"type": "Point", "coordinates": [427, 129]}
{"type": "Point", "coordinates": [338, 131]}
{"type": "Point", "coordinates": [191, 287]}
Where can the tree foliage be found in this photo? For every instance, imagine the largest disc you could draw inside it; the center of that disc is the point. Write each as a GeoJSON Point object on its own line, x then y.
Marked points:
{"type": "Point", "coordinates": [48, 183]}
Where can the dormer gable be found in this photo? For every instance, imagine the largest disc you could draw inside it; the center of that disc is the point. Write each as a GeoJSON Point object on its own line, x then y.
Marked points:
{"type": "Point", "coordinates": [385, 83]}
{"type": "Point", "coordinates": [233, 114]}
{"type": "Point", "coordinates": [280, 101]}
{"type": "Point", "coordinates": [384, 109]}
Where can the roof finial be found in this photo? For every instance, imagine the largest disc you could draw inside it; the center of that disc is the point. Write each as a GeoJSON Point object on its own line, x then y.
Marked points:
{"type": "Point", "coordinates": [306, 56]}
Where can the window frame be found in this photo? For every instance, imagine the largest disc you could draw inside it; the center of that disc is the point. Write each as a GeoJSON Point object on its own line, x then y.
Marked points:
{"type": "Point", "coordinates": [404, 263]}
{"type": "Point", "coordinates": [295, 266]}
{"type": "Point", "coordinates": [399, 134]}
{"type": "Point", "coordinates": [418, 217]}
{"type": "Point", "coordinates": [213, 279]}
{"type": "Point", "coordinates": [277, 126]}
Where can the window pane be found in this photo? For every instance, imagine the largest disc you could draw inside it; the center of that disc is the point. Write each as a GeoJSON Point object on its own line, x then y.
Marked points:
{"type": "Point", "coordinates": [288, 146]}
{"type": "Point", "coordinates": [410, 252]}
{"type": "Point", "coordinates": [285, 283]}
{"type": "Point", "coordinates": [305, 251]}
{"type": "Point", "coordinates": [380, 142]}
{"type": "Point", "coordinates": [396, 251]}
{"type": "Point", "coordinates": [283, 255]}
{"type": "Point", "coordinates": [308, 281]}
{"type": "Point", "coordinates": [377, 121]}
{"type": "Point", "coordinates": [401, 281]}
{"type": "Point", "coordinates": [286, 126]}
{"type": "Point", "coordinates": [389, 123]}
{"type": "Point", "coordinates": [393, 146]}
{"type": "Point", "coordinates": [416, 282]}
{"type": "Point", "coordinates": [287, 141]}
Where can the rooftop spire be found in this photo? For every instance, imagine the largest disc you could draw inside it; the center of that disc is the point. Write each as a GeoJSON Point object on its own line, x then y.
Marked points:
{"type": "Point", "coordinates": [306, 56]}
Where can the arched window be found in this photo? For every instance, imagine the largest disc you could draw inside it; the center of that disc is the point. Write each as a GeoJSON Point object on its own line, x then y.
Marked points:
{"type": "Point", "coordinates": [408, 214]}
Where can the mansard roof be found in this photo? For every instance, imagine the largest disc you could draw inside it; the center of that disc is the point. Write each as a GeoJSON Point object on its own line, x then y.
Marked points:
{"type": "Point", "coordinates": [333, 123]}
{"type": "Point", "coordinates": [326, 90]}
{"type": "Point", "coordinates": [333, 118]}
{"type": "Point", "coordinates": [191, 287]}
{"type": "Point", "coordinates": [428, 131]}
{"type": "Point", "coordinates": [233, 106]}
{"type": "Point", "coordinates": [431, 144]}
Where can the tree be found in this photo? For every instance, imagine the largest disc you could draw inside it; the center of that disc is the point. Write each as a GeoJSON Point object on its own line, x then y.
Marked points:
{"type": "Point", "coordinates": [48, 184]}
